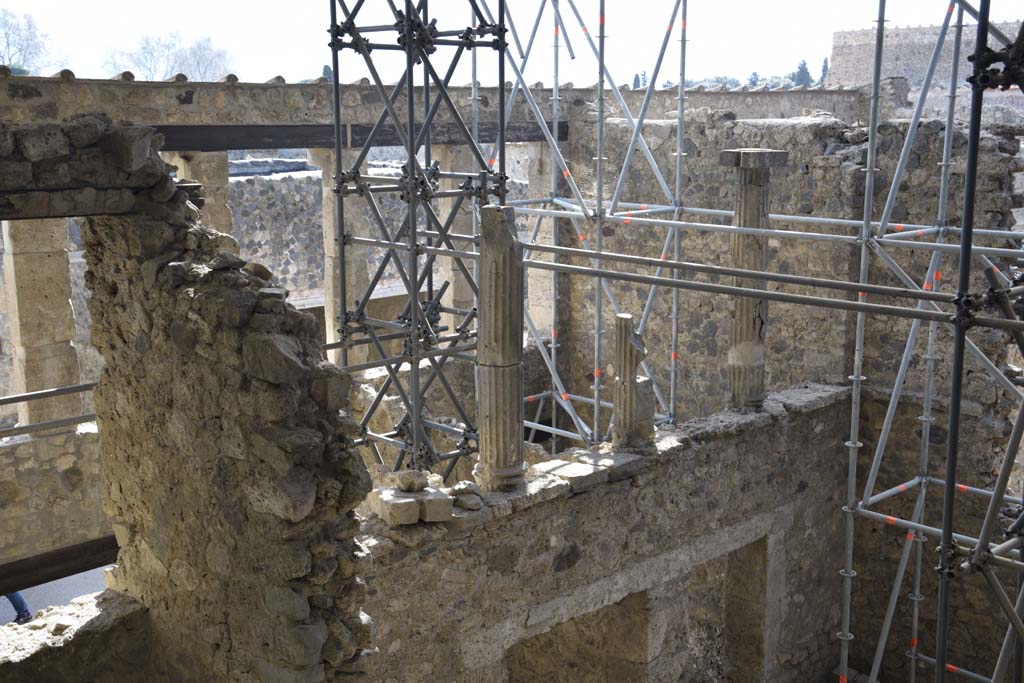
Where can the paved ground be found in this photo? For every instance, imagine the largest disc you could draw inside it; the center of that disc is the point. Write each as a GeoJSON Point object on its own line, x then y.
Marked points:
{"type": "Point", "coordinates": [56, 593]}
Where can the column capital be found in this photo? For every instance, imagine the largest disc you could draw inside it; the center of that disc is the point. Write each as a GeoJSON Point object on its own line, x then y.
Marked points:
{"type": "Point", "coordinates": [753, 157]}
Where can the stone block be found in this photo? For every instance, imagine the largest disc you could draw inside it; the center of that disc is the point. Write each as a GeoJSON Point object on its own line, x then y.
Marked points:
{"type": "Point", "coordinates": [47, 367]}
{"type": "Point", "coordinates": [619, 465]}
{"type": "Point", "coordinates": [36, 236]}
{"type": "Point", "coordinates": [394, 509]}
{"type": "Point", "coordinates": [83, 131]}
{"type": "Point", "coordinates": [580, 476]}
{"type": "Point", "coordinates": [15, 175]}
{"type": "Point", "coordinates": [42, 142]}
{"type": "Point", "coordinates": [130, 147]}
{"type": "Point", "coordinates": [435, 505]}
{"type": "Point", "coordinates": [39, 298]}
{"type": "Point", "coordinates": [397, 507]}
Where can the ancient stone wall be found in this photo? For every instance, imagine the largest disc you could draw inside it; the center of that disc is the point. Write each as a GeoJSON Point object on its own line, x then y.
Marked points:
{"type": "Point", "coordinates": [50, 492]}
{"type": "Point", "coordinates": [823, 178]}
{"type": "Point", "coordinates": [224, 461]}
{"type": "Point", "coordinates": [461, 598]}
{"type": "Point", "coordinates": [814, 341]}
{"type": "Point", "coordinates": [277, 221]}
{"type": "Point", "coordinates": [908, 50]}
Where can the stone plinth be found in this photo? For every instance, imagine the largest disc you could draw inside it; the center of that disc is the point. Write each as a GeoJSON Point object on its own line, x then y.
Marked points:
{"type": "Point", "coordinates": [746, 347]}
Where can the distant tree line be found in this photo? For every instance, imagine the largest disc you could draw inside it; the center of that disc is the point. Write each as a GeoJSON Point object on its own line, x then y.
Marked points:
{"type": "Point", "coordinates": [800, 77]}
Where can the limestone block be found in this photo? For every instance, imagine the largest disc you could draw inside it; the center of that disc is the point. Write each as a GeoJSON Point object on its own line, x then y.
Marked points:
{"type": "Point", "coordinates": [397, 507]}
{"type": "Point", "coordinates": [130, 147]}
{"type": "Point", "coordinates": [42, 142]}
{"type": "Point", "coordinates": [36, 236]}
{"type": "Point", "coordinates": [38, 298]}
{"type": "Point", "coordinates": [393, 509]}
{"type": "Point", "coordinates": [619, 465]}
{"type": "Point", "coordinates": [464, 487]}
{"type": "Point", "coordinates": [580, 476]}
{"type": "Point", "coordinates": [435, 505]}
{"type": "Point", "coordinates": [83, 131]}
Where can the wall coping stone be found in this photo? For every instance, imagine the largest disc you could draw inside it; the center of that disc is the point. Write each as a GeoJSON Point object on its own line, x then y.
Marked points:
{"type": "Point", "coordinates": [544, 484]}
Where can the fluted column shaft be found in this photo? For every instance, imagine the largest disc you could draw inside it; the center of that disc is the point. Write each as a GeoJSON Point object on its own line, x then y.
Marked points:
{"type": "Point", "coordinates": [750, 316]}
{"type": "Point", "coordinates": [499, 371]}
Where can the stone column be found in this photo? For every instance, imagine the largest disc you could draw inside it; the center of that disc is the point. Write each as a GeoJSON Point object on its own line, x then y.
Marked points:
{"type": "Point", "coordinates": [499, 371]}
{"type": "Point", "coordinates": [746, 349]}
{"type": "Point", "coordinates": [38, 281]}
{"type": "Point", "coordinates": [357, 273]}
{"type": "Point", "coordinates": [537, 163]}
{"type": "Point", "coordinates": [459, 294]}
{"type": "Point", "coordinates": [210, 169]}
{"type": "Point", "coordinates": [632, 396]}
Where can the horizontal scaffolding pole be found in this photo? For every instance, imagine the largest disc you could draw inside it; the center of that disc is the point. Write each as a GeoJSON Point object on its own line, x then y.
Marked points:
{"type": "Point", "coordinates": [741, 272]}
{"type": "Point", "coordinates": [953, 669]}
{"type": "Point", "coordinates": [968, 543]}
{"type": "Point", "coordinates": [34, 427]}
{"type": "Point", "coordinates": [783, 297]}
{"type": "Point", "coordinates": [46, 393]}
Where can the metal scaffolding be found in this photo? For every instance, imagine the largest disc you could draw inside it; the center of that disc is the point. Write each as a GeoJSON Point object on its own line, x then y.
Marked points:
{"type": "Point", "coordinates": [424, 235]}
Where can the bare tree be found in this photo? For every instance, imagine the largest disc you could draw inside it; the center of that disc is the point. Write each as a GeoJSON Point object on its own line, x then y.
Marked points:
{"type": "Point", "coordinates": [159, 58]}
{"type": "Point", "coordinates": [21, 44]}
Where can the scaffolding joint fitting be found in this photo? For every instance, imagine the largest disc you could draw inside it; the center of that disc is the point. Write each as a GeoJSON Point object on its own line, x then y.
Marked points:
{"type": "Point", "coordinates": [413, 32]}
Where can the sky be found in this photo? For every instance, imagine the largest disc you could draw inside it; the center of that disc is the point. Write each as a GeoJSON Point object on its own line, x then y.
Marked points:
{"type": "Point", "coordinates": [267, 38]}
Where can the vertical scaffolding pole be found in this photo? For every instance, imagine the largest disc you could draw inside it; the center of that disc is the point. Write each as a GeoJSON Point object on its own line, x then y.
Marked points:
{"type": "Point", "coordinates": [339, 205]}
{"type": "Point", "coordinates": [599, 228]}
{"type": "Point", "coordinates": [474, 108]}
{"type": "Point", "coordinates": [554, 223]}
{"type": "Point", "coordinates": [502, 186]}
{"type": "Point", "coordinates": [673, 381]}
{"type": "Point", "coordinates": [854, 444]}
{"type": "Point", "coordinates": [946, 559]}
{"type": "Point", "coordinates": [929, 371]}
{"type": "Point", "coordinates": [412, 265]}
